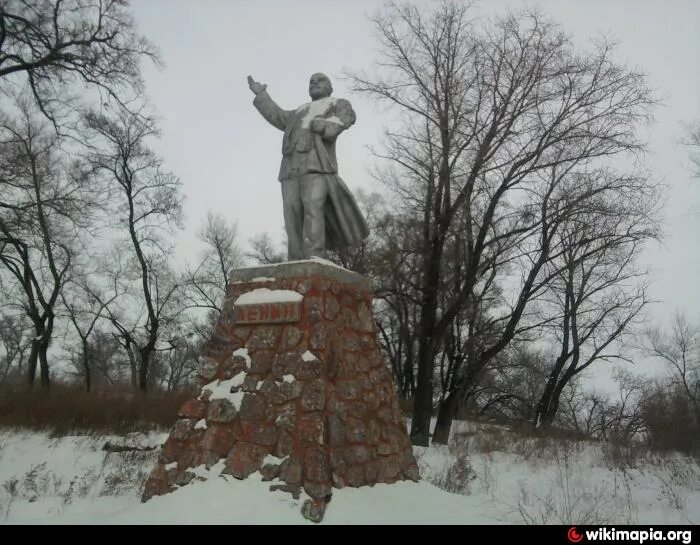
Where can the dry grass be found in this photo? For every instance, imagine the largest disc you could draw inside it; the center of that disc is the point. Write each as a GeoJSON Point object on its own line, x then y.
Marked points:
{"type": "Point", "coordinates": [572, 497]}
{"type": "Point", "coordinates": [67, 409]}
{"type": "Point", "coordinates": [487, 438]}
{"type": "Point", "coordinates": [622, 453]}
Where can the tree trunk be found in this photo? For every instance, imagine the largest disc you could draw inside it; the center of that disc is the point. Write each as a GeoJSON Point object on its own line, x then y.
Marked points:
{"type": "Point", "coordinates": [408, 387]}
{"type": "Point", "coordinates": [143, 370]}
{"type": "Point", "coordinates": [423, 402]}
{"type": "Point", "coordinates": [549, 403]}
{"type": "Point", "coordinates": [44, 365]}
{"type": "Point", "coordinates": [20, 363]}
{"type": "Point", "coordinates": [86, 367]}
{"type": "Point", "coordinates": [446, 413]}
{"type": "Point", "coordinates": [31, 363]}
{"type": "Point", "coordinates": [132, 367]}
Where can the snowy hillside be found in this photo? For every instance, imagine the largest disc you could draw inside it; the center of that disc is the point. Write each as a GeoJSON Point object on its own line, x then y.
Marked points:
{"type": "Point", "coordinates": [505, 478]}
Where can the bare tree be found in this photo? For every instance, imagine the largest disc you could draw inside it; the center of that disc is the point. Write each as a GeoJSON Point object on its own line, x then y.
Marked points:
{"type": "Point", "coordinates": [125, 334]}
{"type": "Point", "coordinates": [84, 304]}
{"type": "Point", "coordinates": [680, 351]}
{"type": "Point", "coordinates": [50, 46]}
{"type": "Point", "coordinates": [598, 292]}
{"type": "Point", "coordinates": [593, 414]}
{"type": "Point", "coordinates": [205, 285]}
{"type": "Point", "coordinates": [497, 119]}
{"type": "Point", "coordinates": [58, 55]}
{"type": "Point", "coordinates": [203, 289]}
{"type": "Point", "coordinates": [176, 368]}
{"type": "Point", "coordinates": [693, 142]}
{"type": "Point", "coordinates": [108, 366]}
{"type": "Point", "coordinates": [472, 330]}
{"type": "Point", "coordinates": [264, 251]}
{"type": "Point", "coordinates": [113, 295]}
{"type": "Point", "coordinates": [580, 411]}
{"type": "Point", "coordinates": [510, 385]}
{"type": "Point", "coordinates": [147, 205]}
{"type": "Point", "coordinates": [394, 270]}
{"type": "Point", "coordinates": [45, 204]}
{"type": "Point", "coordinates": [15, 345]}
{"type": "Point", "coordinates": [625, 418]}
{"type": "Point", "coordinates": [670, 419]}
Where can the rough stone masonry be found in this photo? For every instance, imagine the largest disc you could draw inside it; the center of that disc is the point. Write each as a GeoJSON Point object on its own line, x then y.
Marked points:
{"type": "Point", "coordinates": [293, 384]}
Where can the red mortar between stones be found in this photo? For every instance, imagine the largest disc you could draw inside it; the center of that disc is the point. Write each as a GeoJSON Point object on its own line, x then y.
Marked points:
{"type": "Point", "coordinates": [332, 421]}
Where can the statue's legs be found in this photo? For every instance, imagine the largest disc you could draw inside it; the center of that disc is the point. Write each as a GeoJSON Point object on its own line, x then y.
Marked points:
{"type": "Point", "coordinates": [314, 192]}
{"type": "Point", "coordinates": [293, 218]}
{"type": "Point", "coordinates": [303, 202]}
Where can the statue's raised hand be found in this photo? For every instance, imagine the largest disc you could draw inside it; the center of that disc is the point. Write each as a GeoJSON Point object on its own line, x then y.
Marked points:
{"type": "Point", "coordinates": [255, 86]}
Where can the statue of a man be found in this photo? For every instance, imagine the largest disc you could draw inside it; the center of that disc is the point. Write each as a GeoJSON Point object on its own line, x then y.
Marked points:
{"type": "Point", "coordinates": [320, 213]}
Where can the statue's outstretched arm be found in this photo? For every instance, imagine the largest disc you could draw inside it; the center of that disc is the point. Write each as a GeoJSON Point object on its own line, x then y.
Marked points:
{"type": "Point", "coordinates": [267, 107]}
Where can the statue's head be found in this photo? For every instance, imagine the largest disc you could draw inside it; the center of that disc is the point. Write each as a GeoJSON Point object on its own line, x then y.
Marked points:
{"type": "Point", "coordinates": [319, 86]}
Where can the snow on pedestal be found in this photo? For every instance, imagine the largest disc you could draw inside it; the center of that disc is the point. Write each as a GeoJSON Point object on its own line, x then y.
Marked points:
{"type": "Point", "coordinates": [308, 402]}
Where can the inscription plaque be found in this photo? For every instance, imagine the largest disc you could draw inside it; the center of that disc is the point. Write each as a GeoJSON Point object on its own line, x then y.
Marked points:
{"type": "Point", "coordinates": [268, 313]}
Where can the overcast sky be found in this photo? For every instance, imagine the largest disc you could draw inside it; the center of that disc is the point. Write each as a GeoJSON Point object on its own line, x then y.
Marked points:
{"type": "Point", "coordinates": [228, 157]}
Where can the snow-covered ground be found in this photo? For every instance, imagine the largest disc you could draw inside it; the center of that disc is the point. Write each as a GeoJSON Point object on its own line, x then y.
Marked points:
{"type": "Point", "coordinates": [488, 475]}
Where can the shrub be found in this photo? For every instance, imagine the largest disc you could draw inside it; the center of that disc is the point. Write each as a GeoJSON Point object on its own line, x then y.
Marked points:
{"type": "Point", "coordinates": [67, 408]}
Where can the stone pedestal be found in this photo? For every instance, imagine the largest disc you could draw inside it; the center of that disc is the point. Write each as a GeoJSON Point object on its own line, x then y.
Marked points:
{"type": "Point", "coordinates": [293, 385]}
